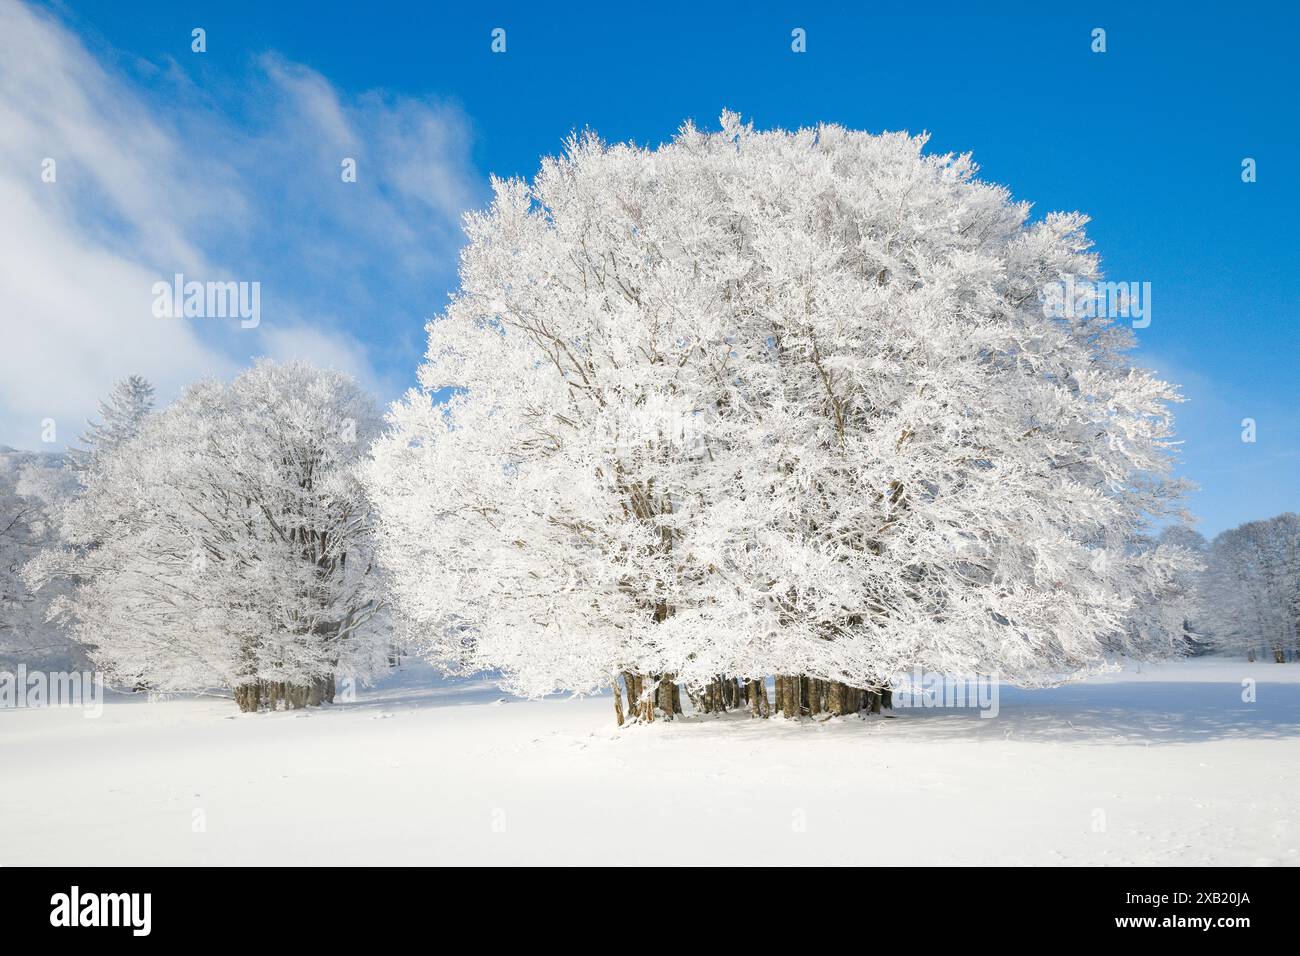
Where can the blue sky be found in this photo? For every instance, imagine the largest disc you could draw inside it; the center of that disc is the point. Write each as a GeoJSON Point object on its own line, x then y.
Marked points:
{"type": "Point", "coordinates": [227, 161]}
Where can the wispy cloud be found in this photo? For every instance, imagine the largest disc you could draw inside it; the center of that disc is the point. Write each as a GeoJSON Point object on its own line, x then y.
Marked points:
{"type": "Point", "coordinates": [239, 180]}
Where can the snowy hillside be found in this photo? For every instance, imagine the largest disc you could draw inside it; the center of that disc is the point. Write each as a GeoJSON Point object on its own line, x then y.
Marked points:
{"type": "Point", "coordinates": [1163, 765]}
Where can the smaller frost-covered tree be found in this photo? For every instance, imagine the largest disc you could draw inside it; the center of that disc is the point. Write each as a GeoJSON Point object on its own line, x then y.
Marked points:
{"type": "Point", "coordinates": [1171, 588]}
{"type": "Point", "coordinates": [121, 416]}
{"type": "Point", "coordinates": [1251, 589]}
{"type": "Point", "coordinates": [228, 543]}
{"type": "Point", "coordinates": [33, 490]}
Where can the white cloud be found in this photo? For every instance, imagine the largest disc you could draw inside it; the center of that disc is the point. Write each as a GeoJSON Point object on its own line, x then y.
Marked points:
{"type": "Point", "coordinates": [324, 348]}
{"type": "Point", "coordinates": [143, 192]}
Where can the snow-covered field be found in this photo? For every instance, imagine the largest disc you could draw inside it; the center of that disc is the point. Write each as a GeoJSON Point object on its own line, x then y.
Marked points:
{"type": "Point", "coordinates": [1162, 765]}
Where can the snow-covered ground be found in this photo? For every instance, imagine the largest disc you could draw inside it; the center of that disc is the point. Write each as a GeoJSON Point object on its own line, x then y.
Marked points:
{"type": "Point", "coordinates": [1163, 765]}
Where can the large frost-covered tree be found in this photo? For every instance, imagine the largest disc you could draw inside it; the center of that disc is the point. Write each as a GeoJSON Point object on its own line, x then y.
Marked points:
{"type": "Point", "coordinates": [761, 403]}
{"type": "Point", "coordinates": [228, 543]}
{"type": "Point", "coordinates": [1251, 589]}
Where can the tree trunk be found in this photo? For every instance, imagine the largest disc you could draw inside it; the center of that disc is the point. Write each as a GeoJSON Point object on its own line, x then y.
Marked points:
{"type": "Point", "coordinates": [645, 700]}
{"type": "Point", "coordinates": [618, 702]}
{"type": "Point", "coordinates": [629, 682]}
{"type": "Point", "coordinates": [835, 698]}
{"type": "Point", "coordinates": [668, 699]}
